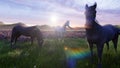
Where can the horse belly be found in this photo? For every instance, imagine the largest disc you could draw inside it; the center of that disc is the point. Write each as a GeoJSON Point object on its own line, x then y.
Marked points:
{"type": "Point", "coordinates": [93, 39]}
{"type": "Point", "coordinates": [109, 35]}
{"type": "Point", "coordinates": [26, 34]}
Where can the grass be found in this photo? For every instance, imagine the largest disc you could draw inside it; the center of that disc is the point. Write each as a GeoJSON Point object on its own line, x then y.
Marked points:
{"type": "Point", "coordinates": [52, 55]}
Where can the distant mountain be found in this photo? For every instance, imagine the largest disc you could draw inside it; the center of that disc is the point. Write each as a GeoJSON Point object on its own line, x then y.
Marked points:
{"type": "Point", "coordinates": [1, 23]}
{"type": "Point", "coordinates": [10, 26]}
{"type": "Point", "coordinates": [6, 27]}
{"type": "Point", "coordinates": [42, 27]}
{"type": "Point", "coordinates": [45, 27]}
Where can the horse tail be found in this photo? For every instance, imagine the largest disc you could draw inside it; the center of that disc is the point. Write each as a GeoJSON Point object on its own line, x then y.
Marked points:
{"type": "Point", "coordinates": [118, 29]}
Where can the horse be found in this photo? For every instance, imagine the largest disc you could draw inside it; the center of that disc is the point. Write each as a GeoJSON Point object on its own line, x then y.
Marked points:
{"type": "Point", "coordinates": [33, 32]}
{"type": "Point", "coordinates": [97, 34]}
{"type": "Point", "coordinates": [60, 31]}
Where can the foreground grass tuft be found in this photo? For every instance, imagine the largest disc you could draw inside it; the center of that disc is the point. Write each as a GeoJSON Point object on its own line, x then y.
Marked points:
{"type": "Point", "coordinates": [52, 55]}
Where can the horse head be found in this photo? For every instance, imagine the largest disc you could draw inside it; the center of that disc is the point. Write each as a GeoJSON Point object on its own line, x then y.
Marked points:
{"type": "Point", "coordinates": [67, 23]}
{"type": "Point", "coordinates": [90, 13]}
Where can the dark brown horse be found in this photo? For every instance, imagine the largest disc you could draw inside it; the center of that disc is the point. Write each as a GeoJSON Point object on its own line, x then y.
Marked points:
{"type": "Point", "coordinates": [97, 34]}
{"type": "Point", "coordinates": [32, 32]}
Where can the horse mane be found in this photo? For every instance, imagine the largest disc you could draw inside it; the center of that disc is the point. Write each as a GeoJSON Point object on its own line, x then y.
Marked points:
{"type": "Point", "coordinates": [95, 24]}
{"type": "Point", "coordinates": [20, 24]}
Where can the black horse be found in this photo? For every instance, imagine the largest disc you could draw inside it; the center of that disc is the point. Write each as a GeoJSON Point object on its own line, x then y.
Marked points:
{"type": "Point", "coordinates": [32, 32]}
{"type": "Point", "coordinates": [97, 34]}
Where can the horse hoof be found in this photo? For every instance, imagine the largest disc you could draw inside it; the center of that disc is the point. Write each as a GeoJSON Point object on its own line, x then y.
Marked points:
{"type": "Point", "coordinates": [99, 65]}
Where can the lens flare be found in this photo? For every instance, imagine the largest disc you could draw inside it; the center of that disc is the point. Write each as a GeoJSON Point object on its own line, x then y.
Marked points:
{"type": "Point", "coordinates": [65, 48]}
{"type": "Point", "coordinates": [72, 54]}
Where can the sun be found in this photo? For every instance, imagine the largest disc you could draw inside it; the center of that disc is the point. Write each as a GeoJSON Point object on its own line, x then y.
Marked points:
{"type": "Point", "coordinates": [54, 19]}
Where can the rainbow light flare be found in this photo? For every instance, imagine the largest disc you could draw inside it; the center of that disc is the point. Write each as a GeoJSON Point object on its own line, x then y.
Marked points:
{"type": "Point", "coordinates": [72, 54]}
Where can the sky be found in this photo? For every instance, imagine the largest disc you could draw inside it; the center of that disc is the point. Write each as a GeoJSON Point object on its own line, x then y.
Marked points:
{"type": "Point", "coordinates": [57, 12]}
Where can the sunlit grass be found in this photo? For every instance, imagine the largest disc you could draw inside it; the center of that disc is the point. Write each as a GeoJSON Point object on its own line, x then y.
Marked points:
{"type": "Point", "coordinates": [52, 55]}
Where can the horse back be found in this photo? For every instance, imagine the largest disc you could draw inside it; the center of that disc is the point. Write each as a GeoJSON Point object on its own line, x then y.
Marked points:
{"type": "Point", "coordinates": [26, 31]}
{"type": "Point", "coordinates": [110, 31]}
{"type": "Point", "coordinates": [104, 33]}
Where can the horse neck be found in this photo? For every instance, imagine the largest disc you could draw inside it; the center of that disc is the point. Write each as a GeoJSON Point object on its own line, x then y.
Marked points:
{"type": "Point", "coordinates": [94, 25]}
{"type": "Point", "coordinates": [64, 27]}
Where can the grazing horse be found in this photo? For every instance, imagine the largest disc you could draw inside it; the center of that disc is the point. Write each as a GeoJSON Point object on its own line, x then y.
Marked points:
{"type": "Point", "coordinates": [32, 32]}
{"type": "Point", "coordinates": [97, 34]}
{"type": "Point", "coordinates": [60, 31]}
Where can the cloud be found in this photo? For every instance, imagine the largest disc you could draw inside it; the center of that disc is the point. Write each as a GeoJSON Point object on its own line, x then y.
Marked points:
{"type": "Point", "coordinates": [41, 10]}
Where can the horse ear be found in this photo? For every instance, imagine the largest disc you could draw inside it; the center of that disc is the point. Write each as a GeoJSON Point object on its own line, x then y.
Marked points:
{"type": "Point", "coordinates": [86, 6]}
{"type": "Point", "coordinates": [95, 5]}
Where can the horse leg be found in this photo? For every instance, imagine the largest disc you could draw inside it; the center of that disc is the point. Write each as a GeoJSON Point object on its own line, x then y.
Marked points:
{"type": "Point", "coordinates": [91, 50]}
{"type": "Point", "coordinates": [16, 39]}
{"type": "Point", "coordinates": [18, 35]}
{"type": "Point", "coordinates": [40, 41]}
{"type": "Point", "coordinates": [115, 41]}
{"type": "Point", "coordinates": [60, 37]}
{"type": "Point", "coordinates": [12, 41]}
{"type": "Point", "coordinates": [63, 37]}
{"type": "Point", "coordinates": [32, 40]}
{"type": "Point", "coordinates": [13, 36]}
{"type": "Point", "coordinates": [99, 51]}
{"type": "Point", "coordinates": [107, 43]}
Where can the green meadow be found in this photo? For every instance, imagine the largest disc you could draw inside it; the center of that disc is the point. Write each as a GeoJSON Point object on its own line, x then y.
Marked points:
{"type": "Point", "coordinates": [52, 55]}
